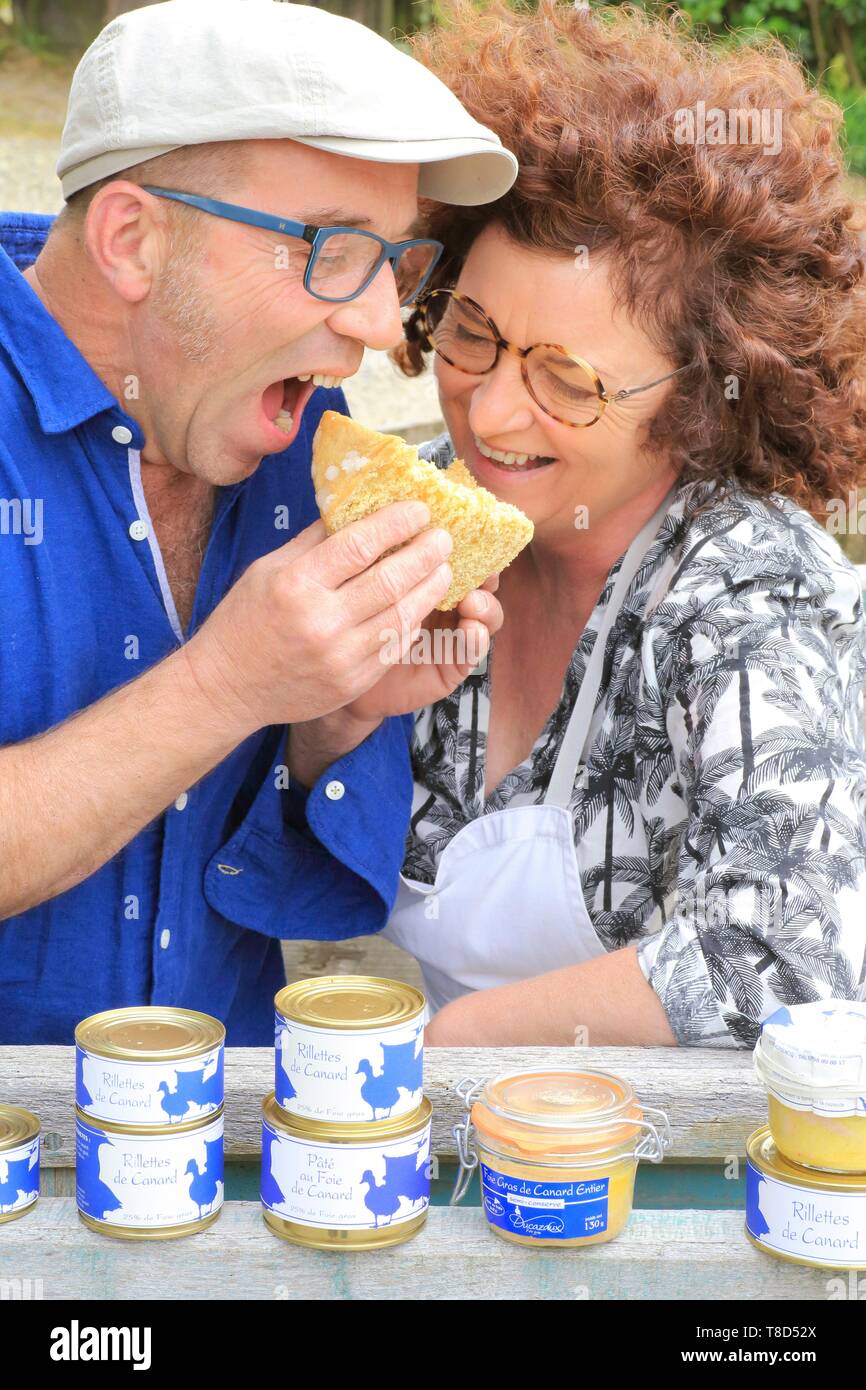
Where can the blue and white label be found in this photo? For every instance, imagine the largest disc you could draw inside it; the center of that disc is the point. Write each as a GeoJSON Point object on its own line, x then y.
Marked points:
{"type": "Point", "coordinates": [342, 1186]}
{"type": "Point", "coordinates": [19, 1177]}
{"type": "Point", "coordinates": [149, 1093]}
{"type": "Point", "coordinates": [150, 1180]}
{"type": "Point", "coordinates": [825, 1228]}
{"type": "Point", "coordinates": [345, 1076]}
{"type": "Point", "coordinates": [545, 1210]}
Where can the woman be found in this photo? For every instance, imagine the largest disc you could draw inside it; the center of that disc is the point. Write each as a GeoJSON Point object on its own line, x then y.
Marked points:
{"type": "Point", "coordinates": [642, 821]}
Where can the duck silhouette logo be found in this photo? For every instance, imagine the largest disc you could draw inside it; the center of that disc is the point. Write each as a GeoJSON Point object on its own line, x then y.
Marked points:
{"type": "Point", "coordinates": [272, 1193]}
{"type": "Point", "coordinates": [95, 1197]}
{"type": "Point", "coordinates": [401, 1071]}
{"type": "Point", "coordinates": [18, 1185]}
{"type": "Point", "coordinates": [83, 1097]}
{"type": "Point", "coordinates": [404, 1178]}
{"type": "Point", "coordinates": [192, 1088]}
{"type": "Point", "coordinates": [757, 1220]}
{"type": "Point", "coordinates": [285, 1088]}
{"type": "Point", "coordinates": [206, 1183]}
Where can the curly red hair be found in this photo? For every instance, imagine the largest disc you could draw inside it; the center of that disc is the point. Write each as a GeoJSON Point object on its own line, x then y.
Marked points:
{"type": "Point", "coordinates": [743, 261]}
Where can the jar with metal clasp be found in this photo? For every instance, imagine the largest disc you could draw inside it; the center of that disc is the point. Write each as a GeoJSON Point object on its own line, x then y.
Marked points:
{"type": "Point", "coordinates": [558, 1151]}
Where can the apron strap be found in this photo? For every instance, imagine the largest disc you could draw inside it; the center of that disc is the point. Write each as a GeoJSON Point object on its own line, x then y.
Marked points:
{"type": "Point", "coordinates": [576, 737]}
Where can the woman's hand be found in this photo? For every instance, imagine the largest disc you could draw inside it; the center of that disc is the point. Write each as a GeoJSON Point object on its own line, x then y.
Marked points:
{"type": "Point", "coordinates": [425, 665]}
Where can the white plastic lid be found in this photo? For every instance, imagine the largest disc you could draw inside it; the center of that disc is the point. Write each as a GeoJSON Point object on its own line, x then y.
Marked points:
{"type": "Point", "coordinates": [813, 1056]}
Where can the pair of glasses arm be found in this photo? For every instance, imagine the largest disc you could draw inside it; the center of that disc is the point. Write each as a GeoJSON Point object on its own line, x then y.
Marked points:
{"type": "Point", "coordinates": [235, 213]}
{"type": "Point", "coordinates": [628, 391]}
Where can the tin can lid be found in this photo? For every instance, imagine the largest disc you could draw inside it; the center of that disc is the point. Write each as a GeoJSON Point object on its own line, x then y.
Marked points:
{"type": "Point", "coordinates": [814, 1055]}
{"type": "Point", "coordinates": [763, 1155]}
{"type": "Point", "coordinates": [199, 1124]}
{"type": "Point", "coordinates": [149, 1033]}
{"type": "Point", "coordinates": [349, 1002]}
{"type": "Point", "coordinates": [558, 1111]}
{"type": "Point", "coordinates": [359, 1133]}
{"type": "Point", "coordinates": [16, 1126]}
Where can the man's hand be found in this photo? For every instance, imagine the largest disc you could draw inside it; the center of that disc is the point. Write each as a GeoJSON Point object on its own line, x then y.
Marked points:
{"type": "Point", "coordinates": [300, 634]}
{"type": "Point", "coordinates": [424, 666]}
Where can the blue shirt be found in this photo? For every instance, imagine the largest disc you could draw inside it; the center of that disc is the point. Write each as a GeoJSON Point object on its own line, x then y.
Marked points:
{"type": "Point", "coordinates": [190, 913]}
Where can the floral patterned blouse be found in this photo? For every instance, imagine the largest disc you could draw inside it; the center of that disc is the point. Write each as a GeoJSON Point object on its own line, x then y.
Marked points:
{"type": "Point", "coordinates": [721, 823]}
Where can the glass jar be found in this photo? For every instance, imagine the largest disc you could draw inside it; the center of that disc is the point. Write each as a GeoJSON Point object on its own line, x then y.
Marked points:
{"type": "Point", "coordinates": [557, 1151]}
{"type": "Point", "coordinates": [812, 1061]}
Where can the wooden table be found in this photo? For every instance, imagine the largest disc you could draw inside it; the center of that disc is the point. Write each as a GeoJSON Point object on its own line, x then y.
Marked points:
{"type": "Point", "coordinates": [712, 1098]}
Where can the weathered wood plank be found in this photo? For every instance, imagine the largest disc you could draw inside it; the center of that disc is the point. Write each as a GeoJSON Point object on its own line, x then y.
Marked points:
{"type": "Point", "coordinates": [359, 955]}
{"type": "Point", "coordinates": [660, 1255]}
{"type": "Point", "coordinates": [712, 1097]}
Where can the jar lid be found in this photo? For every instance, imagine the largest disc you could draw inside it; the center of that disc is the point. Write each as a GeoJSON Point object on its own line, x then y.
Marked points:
{"type": "Point", "coordinates": [558, 1111]}
{"type": "Point", "coordinates": [813, 1056]}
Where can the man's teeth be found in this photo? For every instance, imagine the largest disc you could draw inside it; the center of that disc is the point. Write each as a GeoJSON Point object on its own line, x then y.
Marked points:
{"type": "Point", "coordinates": [284, 422]}
{"type": "Point", "coordinates": [321, 379]}
{"type": "Point", "coordinates": [500, 457]}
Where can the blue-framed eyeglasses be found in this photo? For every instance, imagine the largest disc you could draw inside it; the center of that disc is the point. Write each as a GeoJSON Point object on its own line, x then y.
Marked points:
{"type": "Point", "coordinates": [342, 261]}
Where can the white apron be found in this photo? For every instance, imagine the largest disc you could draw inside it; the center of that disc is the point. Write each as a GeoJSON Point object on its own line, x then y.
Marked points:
{"type": "Point", "coordinates": [507, 901]}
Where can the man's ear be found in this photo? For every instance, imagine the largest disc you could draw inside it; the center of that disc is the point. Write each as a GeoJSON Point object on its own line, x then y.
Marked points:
{"type": "Point", "coordinates": [126, 234]}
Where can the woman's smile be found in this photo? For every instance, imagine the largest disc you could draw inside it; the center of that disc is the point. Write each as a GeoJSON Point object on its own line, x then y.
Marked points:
{"type": "Point", "coordinates": [495, 467]}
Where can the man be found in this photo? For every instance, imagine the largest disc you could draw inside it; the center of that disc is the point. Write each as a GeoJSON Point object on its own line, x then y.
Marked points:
{"type": "Point", "coordinates": [169, 600]}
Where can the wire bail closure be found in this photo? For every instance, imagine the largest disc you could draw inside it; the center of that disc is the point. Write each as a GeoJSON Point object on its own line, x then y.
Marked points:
{"type": "Point", "coordinates": [658, 1138]}
{"type": "Point", "coordinates": [467, 1090]}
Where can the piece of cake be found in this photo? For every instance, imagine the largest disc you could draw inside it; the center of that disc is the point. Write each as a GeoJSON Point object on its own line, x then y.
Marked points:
{"type": "Point", "coordinates": [356, 471]}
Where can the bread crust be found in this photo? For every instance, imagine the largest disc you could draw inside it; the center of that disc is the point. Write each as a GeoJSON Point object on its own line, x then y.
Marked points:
{"type": "Point", "coordinates": [357, 470]}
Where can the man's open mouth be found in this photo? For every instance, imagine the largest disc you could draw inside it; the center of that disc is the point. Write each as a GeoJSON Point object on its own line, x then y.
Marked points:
{"type": "Point", "coordinates": [283, 401]}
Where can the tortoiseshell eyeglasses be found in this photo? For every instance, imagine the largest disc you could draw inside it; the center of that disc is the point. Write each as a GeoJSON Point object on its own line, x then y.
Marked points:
{"type": "Point", "coordinates": [565, 386]}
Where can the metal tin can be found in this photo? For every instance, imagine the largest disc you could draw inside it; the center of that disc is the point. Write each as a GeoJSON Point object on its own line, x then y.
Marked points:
{"type": "Point", "coordinates": [801, 1214]}
{"type": "Point", "coordinates": [558, 1151]}
{"type": "Point", "coordinates": [149, 1183]}
{"type": "Point", "coordinates": [149, 1065]}
{"type": "Point", "coordinates": [349, 1048]}
{"type": "Point", "coordinates": [345, 1187]}
{"type": "Point", "coordinates": [19, 1161]}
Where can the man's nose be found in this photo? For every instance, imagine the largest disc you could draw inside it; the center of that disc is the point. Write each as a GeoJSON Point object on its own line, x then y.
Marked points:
{"type": "Point", "coordinates": [373, 318]}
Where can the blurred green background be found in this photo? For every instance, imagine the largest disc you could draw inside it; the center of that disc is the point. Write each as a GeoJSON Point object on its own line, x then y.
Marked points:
{"type": "Point", "coordinates": [41, 40]}
{"type": "Point", "coordinates": [829, 35]}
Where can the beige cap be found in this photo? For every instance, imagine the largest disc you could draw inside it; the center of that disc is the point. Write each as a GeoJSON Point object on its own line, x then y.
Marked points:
{"type": "Point", "coordinates": [188, 72]}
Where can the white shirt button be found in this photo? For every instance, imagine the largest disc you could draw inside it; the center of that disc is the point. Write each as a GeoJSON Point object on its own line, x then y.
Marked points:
{"type": "Point", "coordinates": [164, 937]}
{"type": "Point", "coordinates": [180, 804]}
{"type": "Point", "coordinates": [138, 530]}
{"type": "Point", "coordinates": [334, 790]}
{"type": "Point", "coordinates": [121, 434]}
